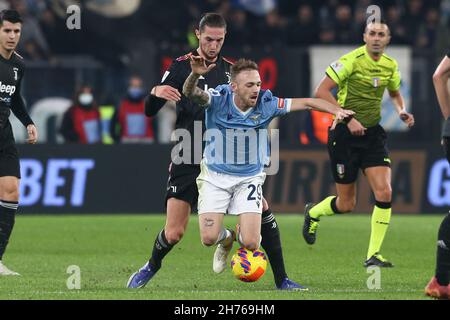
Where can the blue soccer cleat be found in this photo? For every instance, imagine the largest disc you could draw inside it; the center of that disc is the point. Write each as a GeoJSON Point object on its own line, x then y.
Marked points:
{"type": "Point", "coordinates": [290, 285]}
{"type": "Point", "coordinates": [141, 278]}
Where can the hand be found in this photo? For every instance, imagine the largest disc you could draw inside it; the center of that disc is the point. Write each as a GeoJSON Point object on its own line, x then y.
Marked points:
{"type": "Point", "coordinates": [356, 128]}
{"type": "Point", "coordinates": [166, 92]}
{"type": "Point", "coordinates": [407, 118]}
{"type": "Point", "coordinates": [32, 134]}
{"type": "Point", "coordinates": [341, 114]}
{"type": "Point", "coordinates": [198, 65]}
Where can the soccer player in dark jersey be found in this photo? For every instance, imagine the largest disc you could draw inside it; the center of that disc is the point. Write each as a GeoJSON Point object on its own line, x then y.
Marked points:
{"type": "Point", "coordinates": [361, 77]}
{"type": "Point", "coordinates": [439, 286]}
{"type": "Point", "coordinates": [182, 193]}
{"type": "Point", "coordinates": [11, 74]}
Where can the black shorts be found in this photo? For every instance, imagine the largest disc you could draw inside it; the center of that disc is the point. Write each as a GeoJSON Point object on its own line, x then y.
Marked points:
{"type": "Point", "coordinates": [350, 153]}
{"type": "Point", "coordinates": [182, 184]}
{"type": "Point", "coordinates": [9, 159]}
{"type": "Point", "coordinates": [447, 148]}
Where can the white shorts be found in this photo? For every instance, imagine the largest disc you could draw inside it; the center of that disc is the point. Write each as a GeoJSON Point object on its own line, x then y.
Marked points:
{"type": "Point", "coordinates": [223, 193]}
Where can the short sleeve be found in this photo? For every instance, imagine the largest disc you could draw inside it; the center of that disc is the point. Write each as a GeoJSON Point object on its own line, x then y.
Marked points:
{"type": "Point", "coordinates": [215, 96]}
{"type": "Point", "coordinates": [275, 106]}
{"type": "Point", "coordinates": [340, 70]}
{"type": "Point", "coordinates": [173, 76]}
{"type": "Point", "coordinates": [395, 80]}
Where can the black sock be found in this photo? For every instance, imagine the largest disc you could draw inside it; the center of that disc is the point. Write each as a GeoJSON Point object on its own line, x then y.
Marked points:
{"type": "Point", "coordinates": [271, 242]}
{"type": "Point", "coordinates": [7, 218]}
{"type": "Point", "coordinates": [161, 247]}
{"type": "Point", "coordinates": [443, 253]}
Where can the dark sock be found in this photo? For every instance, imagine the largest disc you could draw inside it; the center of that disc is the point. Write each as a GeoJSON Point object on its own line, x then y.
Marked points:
{"type": "Point", "coordinates": [7, 218]}
{"type": "Point", "coordinates": [161, 247]}
{"type": "Point", "coordinates": [271, 242]}
{"type": "Point", "coordinates": [443, 253]}
{"type": "Point", "coordinates": [334, 206]}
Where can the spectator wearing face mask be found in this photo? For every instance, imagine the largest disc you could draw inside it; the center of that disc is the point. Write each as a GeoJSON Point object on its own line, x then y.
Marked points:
{"type": "Point", "coordinates": [129, 124]}
{"type": "Point", "coordinates": [81, 122]}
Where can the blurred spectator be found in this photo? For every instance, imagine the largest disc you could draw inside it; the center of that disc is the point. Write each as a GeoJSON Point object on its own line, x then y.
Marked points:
{"type": "Point", "coordinates": [130, 124]}
{"type": "Point", "coordinates": [238, 32]}
{"type": "Point", "coordinates": [272, 32]}
{"type": "Point", "coordinates": [33, 45]}
{"type": "Point", "coordinates": [81, 122]}
{"type": "Point", "coordinates": [303, 30]}
{"type": "Point", "coordinates": [428, 30]}
{"type": "Point", "coordinates": [327, 35]}
{"type": "Point", "coordinates": [413, 19]}
{"type": "Point", "coordinates": [396, 26]}
{"type": "Point", "coordinates": [344, 25]}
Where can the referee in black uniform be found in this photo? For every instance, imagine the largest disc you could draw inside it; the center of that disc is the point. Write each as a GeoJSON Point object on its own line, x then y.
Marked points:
{"type": "Point", "coordinates": [11, 74]}
{"type": "Point", "coordinates": [182, 193]}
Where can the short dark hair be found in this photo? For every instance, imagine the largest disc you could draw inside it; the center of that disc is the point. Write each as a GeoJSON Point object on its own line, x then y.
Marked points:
{"type": "Point", "coordinates": [380, 21]}
{"type": "Point", "coordinates": [212, 20]}
{"type": "Point", "coordinates": [10, 15]}
{"type": "Point", "coordinates": [242, 65]}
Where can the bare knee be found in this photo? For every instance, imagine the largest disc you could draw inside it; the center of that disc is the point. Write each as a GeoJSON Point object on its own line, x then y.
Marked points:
{"type": "Point", "coordinates": [252, 245]}
{"type": "Point", "coordinates": [10, 193]}
{"type": "Point", "coordinates": [346, 205]}
{"type": "Point", "coordinates": [383, 194]}
{"type": "Point", "coordinates": [209, 239]}
{"type": "Point", "coordinates": [174, 236]}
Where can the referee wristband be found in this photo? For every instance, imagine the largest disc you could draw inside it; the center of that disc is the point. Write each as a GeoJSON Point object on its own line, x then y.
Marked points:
{"type": "Point", "coordinates": [346, 120]}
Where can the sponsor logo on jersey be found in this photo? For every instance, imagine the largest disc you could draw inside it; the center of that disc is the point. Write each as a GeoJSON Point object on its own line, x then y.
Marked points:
{"type": "Point", "coordinates": [7, 89]}
{"type": "Point", "coordinates": [6, 100]}
{"type": "Point", "coordinates": [337, 66]}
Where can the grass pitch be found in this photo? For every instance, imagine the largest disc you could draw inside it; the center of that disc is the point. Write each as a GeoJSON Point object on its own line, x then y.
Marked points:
{"type": "Point", "coordinates": [108, 248]}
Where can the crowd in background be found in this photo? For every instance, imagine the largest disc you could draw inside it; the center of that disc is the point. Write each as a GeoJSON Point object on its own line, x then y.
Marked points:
{"type": "Point", "coordinates": [421, 24]}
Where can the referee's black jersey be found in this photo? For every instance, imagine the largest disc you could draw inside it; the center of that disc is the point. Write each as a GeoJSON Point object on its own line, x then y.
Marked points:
{"type": "Point", "coordinates": [11, 74]}
{"type": "Point", "coordinates": [187, 111]}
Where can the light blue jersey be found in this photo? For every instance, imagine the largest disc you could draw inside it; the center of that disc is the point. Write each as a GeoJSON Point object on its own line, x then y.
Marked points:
{"type": "Point", "coordinates": [237, 142]}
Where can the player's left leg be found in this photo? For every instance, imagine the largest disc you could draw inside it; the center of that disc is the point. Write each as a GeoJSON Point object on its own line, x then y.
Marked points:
{"type": "Point", "coordinates": [9, 202]}
{"type": "Point", "coordinates": [379, 179]}
{"type": "Point", "coordinates": [271, 243]}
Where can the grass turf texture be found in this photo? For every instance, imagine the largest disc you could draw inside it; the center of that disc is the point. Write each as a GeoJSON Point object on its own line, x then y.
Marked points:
{"type": "Point", "coordinates": [108, 248]}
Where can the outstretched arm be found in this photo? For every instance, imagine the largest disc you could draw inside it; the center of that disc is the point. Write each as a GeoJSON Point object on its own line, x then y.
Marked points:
{"type": "Point", "coordinates": [440, 80]}
{"type": "Point", "coordinates": [190, 88]}
{"type": "Point", "coordinates": [320, 105]}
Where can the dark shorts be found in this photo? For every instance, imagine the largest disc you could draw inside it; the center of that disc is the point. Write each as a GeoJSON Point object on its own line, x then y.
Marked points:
{"type": "Point", "coordinates": [182, 184]}
{"type": "Point", "coordinates": [447, 148]}
{"type": "Point", "coordinates": [350, 153]}
{"type": "Point", "coordinates": [9, 159]}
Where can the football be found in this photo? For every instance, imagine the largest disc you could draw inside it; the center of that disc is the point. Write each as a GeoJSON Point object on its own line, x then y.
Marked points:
{"type": "Point", "coordinates": [247, 265]}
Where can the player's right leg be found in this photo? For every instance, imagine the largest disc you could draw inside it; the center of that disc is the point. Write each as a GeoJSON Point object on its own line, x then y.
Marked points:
{"type": "Point", "coordinates": [9, 198]}
{"type": "Point", "coordinates": [181, 197]}
{"type": "Point", "coordinates": [345, 201]}
{"type": "Point", "coordinates": [344, 160]}
{"type": "Point", "coordinates": [178, 212]}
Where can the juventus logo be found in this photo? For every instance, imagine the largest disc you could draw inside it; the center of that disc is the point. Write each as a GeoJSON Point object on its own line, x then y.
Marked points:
{"type": "Point", "coordinates": [15, 73]}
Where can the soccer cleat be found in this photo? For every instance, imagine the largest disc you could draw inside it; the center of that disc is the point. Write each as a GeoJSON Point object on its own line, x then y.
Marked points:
{"type": "Point", "coordinates": [221, 255]}
{"type": "Point", "coordinates": [310, 226]}
{"type": "Point", "coordinates": [141, 278]}
{"type": "Point", "coordinates": [435, 290]}
{"type": "Point", "coordinates": [4, 271]}
{"type": "Point", "coordinates": [290, 285]}
{"type": "Point", "coordinates": [378, 260]}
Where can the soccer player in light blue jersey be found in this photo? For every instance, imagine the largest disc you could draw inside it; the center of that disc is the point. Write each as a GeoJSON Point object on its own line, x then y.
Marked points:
{"type": "Point", "coordinates": [231, 178]}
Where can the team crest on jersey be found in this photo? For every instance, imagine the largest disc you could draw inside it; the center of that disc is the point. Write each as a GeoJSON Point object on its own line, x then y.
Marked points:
{"type": "Point", "coordinates": [256, 118]}
{"type": "Point", "coordinates": [228, 77]}
{"type": "Point", "coordinates": [340, 169]}
{"type": "Point", "coordinates": [376, 82]}
{"type": "Point", "coordinates": [16, 76]}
